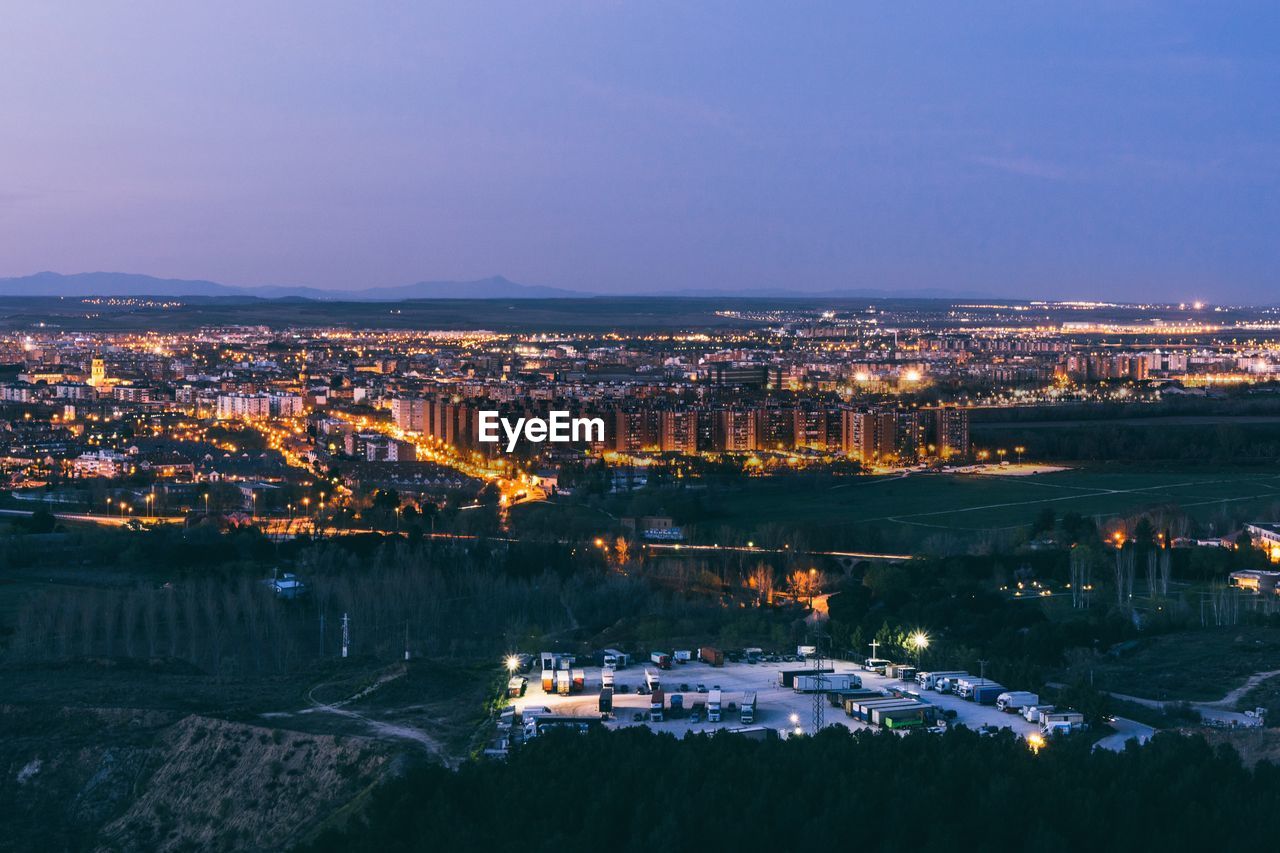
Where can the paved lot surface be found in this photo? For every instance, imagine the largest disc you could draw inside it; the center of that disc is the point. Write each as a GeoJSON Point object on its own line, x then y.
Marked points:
{"type": "Point", "coordinates": [775, 704]}
{"type": "Point", "coordinates": [1126, 730]}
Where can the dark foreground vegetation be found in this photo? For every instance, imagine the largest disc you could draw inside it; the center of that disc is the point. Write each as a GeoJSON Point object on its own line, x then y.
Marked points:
{"type": "Point", "coordinates": [633, 790]}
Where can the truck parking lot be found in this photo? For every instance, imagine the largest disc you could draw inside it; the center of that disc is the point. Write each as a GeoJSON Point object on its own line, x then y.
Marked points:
{"type": "Point", "coordinates": [775, 704]}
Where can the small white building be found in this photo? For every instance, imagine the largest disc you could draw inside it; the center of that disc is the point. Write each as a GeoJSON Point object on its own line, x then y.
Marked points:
{"type": "Point", "coordinates": [1257, 581]}
{"type": "Point", "coordinates": [100, 463]}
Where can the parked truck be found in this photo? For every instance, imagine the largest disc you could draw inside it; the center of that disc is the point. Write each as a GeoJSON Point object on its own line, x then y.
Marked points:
{"type": "Point", "coordinates": [839, 697]}
{"type": "Point", "coordinates": [753, 654]}
{"type": "Point", "coordinates": [657, 701]}
{"type": "Point", "coordinates": [711, 655]}
{"type": "Point", "coordinates": [1013, 701]}
{"type": "Point", "coordinates": [906, 718]}
{"type": "Point", "coordinates": [606, 701]}
{"type": "Point", "coordinates": [579, 682]}
{"type": "Point", "coordinates": [748, 709]}
{"type": "Point", "coordinates": [606, 677]}
{"type": "Point", "coordinates": [822, 682]}
{"type": "Point", "coordinates": [964, 687]}
{"type": "Point", "coordinates": [1032, 713]}
{"type": "Point", "coordinates": [564, 682]}
{"type": "Point", "coordinates": [788, 676]}
{"type": "Point", "coordinates": [677, 705]}
{"type": "Point", "coordinates": [548, 681]}
{"type": "Point", "coordinates": [516, 686]}
{"type": "Point", "coordinates": [755, 732]}
{"type": "Point", "coordinates": [929, 680]}
{"type": "Point", "coordinates": [661, 660]}
{"type": "Point", "coordinates": [860, 709]}
{"type": "Point", "coordinates": [713, 706]}
{"type": "Point", "coordinates": [556, 660]}
{"type": "Point", "coordinates": [652, 681]}
{"type": "Point", "coordinates": [947, 683]}
{"type": "Point", "coordinates": [683, 655]}
{"type": "Point", "coordinates": [615, 659]}
{"type": "Point", "coordinates": [986, 694]}
{"type": "Point", "coordinates": [900, 713]}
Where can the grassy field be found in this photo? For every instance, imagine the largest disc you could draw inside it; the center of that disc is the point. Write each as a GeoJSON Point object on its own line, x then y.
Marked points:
{"type": "Point", "coordinates": [967, 502]}
{"type": "Point", "coordinates": [1199, 666]}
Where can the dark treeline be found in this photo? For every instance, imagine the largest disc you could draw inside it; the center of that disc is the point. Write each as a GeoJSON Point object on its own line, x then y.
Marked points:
{"type": "Point", "coordinates": [445, 600]}
{"type": "Point", "coordinates": [468, 599]}
{"type": "Point", "coordinates": [636, 791]}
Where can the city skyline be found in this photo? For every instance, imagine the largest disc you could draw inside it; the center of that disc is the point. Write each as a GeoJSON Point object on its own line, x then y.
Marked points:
{"type": "Point", "coordinates": [1124, 154]}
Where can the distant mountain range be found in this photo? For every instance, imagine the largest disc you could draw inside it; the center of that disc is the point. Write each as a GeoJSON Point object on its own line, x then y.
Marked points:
{"type": "Point", "coordinates": [114, 284]}
{"type": "Point", "coordinates": [132, 284]}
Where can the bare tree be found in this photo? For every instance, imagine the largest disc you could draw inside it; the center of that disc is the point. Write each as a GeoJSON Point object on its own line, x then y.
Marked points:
{"type": "Point", "coordinates": [761, 582]}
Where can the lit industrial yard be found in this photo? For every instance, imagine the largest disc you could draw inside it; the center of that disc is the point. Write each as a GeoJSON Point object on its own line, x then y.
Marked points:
{"type": "Point", "coordinates": [778, 708]}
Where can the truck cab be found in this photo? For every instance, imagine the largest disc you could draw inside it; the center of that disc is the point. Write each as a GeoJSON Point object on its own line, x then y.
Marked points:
{"type": "Point", "coordinates": [713, 706]}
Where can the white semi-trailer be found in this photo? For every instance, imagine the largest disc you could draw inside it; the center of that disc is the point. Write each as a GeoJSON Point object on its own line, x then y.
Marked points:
{"type": "Point", "coordinates": [1014, 701]}
{"type": "Point", "coordinates": [929, 680]}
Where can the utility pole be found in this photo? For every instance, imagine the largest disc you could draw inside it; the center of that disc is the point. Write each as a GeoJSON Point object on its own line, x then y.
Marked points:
{"type": "Point", "coordinates": [820, 695]}
{"type": "Point", "coordinates": [982, 671]}
{"type": "Point", "coordinates": [346, 634]}
{"type": "Point", "coordinates": [321, 633]}
{"type": "Point", "coordinates": [406, 639]}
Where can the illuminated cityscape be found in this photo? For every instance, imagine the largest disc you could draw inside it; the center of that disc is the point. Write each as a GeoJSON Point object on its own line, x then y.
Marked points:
{"type": "Point", "coordinates": [654, 426]}
{"type": "Point", "coordinates": [336, 413]}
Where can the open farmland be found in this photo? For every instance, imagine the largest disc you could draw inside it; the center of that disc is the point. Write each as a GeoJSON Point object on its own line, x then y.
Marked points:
{"type": "Point", "coordinates": [973, 502]}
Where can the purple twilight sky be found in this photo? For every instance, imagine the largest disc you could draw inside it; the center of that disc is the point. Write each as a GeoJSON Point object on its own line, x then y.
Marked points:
{"type": "Point", "coordinates": [1112, 149]}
